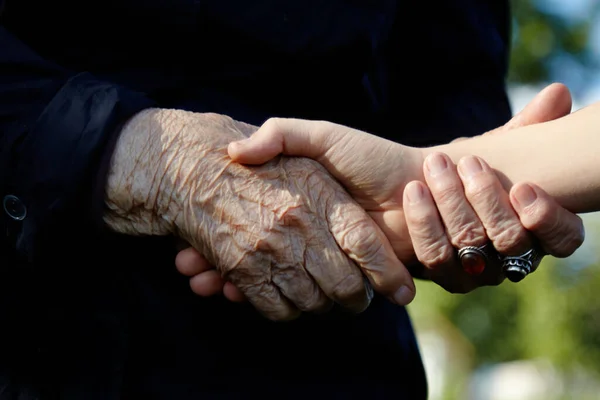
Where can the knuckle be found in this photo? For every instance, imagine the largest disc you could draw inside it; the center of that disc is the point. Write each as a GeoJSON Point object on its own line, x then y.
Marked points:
{"type": "Point", "coordinates": [272, 125]}
{"type": "Point", "coordinates": [214, 116]}
{"type": "Point", "coordinates": [540, 217]}
{"type": "Point", "coordinates": [445, 191]}
{"type": "Point", "coordinates": [434, 255]}
{"type": "Point", "coordinates": [469, 233]}
{"type": "Point", "coordinates": [362, 242]}
{"type": "Point", "coordinates": [422, 224]}
{"type": "Point", "coordinates": [510, 239]}
{"type": "Point", "coordinates": [266, 298]}
{"type": "Point", "coordinates": [418, 220]}
{"type": "Point", "coordinates": [291, 215]}
{"type": "Point", "coordinates": [296, 285]}
{"type": "Point", "coordinates": [560, 237]}
{"type": "Point", "coordinates": [372, 250]}
{"type": "Point", "coordinates": [481, 188]}
{"type": "Point", "coordinates": [566, 245]}
{"type": "Point", "coordinates": [219, 119]}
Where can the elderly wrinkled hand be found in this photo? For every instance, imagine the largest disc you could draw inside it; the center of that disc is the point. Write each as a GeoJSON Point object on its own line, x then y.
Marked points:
{"type": "Point", "coordinates": [285, 233]}
{"type": "Point", "coordinates": [466, 205]}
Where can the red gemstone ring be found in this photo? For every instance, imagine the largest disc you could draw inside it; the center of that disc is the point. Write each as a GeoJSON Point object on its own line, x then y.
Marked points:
{"type": "Point", "coordinates": [475, 259]}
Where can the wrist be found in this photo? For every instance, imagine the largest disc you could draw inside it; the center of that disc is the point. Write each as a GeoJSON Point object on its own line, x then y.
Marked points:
{"type": "Point", "coordinates": [162, 159]}
{"type": "Point", "coordinates": [135, 181]}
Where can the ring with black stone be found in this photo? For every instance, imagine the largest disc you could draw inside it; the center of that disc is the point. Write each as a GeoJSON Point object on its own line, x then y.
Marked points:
{"type": "Point", "coordinates": [518, 267]}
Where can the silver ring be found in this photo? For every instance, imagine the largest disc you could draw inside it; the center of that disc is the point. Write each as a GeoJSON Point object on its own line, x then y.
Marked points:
{"type": "Point", "coordinates": [518, 267]}
{"type": "Point", "coordinates": [474, 259]}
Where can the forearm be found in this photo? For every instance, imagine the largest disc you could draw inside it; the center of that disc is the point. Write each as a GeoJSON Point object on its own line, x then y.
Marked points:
{"type": "Point", "coordinates": [560, 156]}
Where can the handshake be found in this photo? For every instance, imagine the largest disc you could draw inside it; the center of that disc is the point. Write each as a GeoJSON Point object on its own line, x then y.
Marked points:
{"type": "Point", "coordinates": [298, 215]}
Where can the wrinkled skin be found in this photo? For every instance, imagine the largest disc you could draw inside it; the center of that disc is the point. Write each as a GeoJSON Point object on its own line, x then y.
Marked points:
{"type": "Point", "coordinates": [285, 233]}
{"type": "Point", "coordinates": [377, 186]}
{"type": "Point", "coordinates": [375, 179]}
{"type": "Point", "coordinates": [433, 228]}
{"type": "Point", "coordinates": [377, 171]}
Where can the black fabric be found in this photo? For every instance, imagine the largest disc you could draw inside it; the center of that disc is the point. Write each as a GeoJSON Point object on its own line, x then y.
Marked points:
{"type": "Point", "coordinates": [90, 315]}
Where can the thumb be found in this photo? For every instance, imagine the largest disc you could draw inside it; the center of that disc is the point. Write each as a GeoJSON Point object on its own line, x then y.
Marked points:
{"type": "Point", "coordinates": [553, 102]}
{"type": "Point", "coordinates": [292, 137]}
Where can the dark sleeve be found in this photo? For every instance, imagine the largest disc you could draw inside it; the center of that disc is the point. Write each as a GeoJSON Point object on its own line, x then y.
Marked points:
{"type": "Point", "coordinates": [56, 127]}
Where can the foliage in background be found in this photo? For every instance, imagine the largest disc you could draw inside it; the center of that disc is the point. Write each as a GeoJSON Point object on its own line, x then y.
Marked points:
{"type": "Point", "coordinates": [540, 37]}
{"type": "Point", "coordinates": [556, 40]}
{"type": "Point", "coordinates": [553, 315]}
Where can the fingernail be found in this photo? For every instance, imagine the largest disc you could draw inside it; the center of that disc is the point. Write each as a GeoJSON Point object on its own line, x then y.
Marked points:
{"type": "Point", "coordinates": [436, 164]}
{"type": "Point", "coordinates": [525, 195]}
{"type": "Point", "coordinates": [403, 296]}
{"type": "Point", "coordinates": [414, 192]}
{"type": "Point", "coordinates": [470, 166]}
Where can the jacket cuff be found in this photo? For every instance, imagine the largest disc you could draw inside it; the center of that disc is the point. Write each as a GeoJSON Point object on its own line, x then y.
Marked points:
{"type": "Point", "coordinates": [54, 168]}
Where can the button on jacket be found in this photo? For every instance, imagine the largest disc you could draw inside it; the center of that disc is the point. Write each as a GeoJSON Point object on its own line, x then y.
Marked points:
{"type": "Point", "coordinates": [86, 314]}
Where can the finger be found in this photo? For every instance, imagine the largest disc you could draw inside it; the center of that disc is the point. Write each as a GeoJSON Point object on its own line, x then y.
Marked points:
{"type": "Point", "coordinates": [551, 103]}
{"type": "Point", "coordinates": [296, 283]}
{"type": "Point", "coordinates": [190, 262]}
{"type": "Point", "coordinates": [262, 293]}
{"type": "Point", "coordinates": [432, 247]}
{"type": "Point", "coordinates": [462, 223]}
{"type": "Point", "coordinates": [207, 283]}
{"type": "Point", "coordinates": [308, 266]}
{"type": "Point", "coordinates": [559, 231]}
{"type": "Point", "coordinates": [331, 145]}
{"type": "Point", "coordinates": [492, 205]}
{"type": "Point", "coordinates": [232, 293]}
{"type": "Point", "coordinates": [252, 273]}
{"type": "Point", "coordinates": [269, 268]}
{"type": "Point", "coordinates": [288, 259]}
{"type": "Point", "coordinates": [364, 242]}
{"type": "Point", "coordinates": [282, 255]}
{"type": "Point", "coordinates": [280, 136]}
{"type": "Point", "coordinates": [337, 276]}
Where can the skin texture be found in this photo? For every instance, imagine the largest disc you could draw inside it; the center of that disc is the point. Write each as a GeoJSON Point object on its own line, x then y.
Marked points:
{"type": "Point", "coordinates": [382, 175]}
{"type": "Point", "coordinates": [376, 185]}
{"type": "Point", "coordinates": [285, 233]}
{"type": "Point", "coordinates": [446, 211]}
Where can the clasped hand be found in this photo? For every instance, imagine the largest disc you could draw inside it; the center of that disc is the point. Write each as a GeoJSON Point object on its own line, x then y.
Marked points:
{"type": "Point", "coordinates": [426, 206]}
{"type": "Point", "coordinates": [285, 233]}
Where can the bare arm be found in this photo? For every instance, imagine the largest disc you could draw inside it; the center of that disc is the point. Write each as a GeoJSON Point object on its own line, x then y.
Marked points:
{"type": "Point", "coordinates": [561, 156]}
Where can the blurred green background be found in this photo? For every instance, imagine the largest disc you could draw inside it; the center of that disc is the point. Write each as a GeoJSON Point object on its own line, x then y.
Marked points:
{"type": "Point", "coordinates": [540, 338]}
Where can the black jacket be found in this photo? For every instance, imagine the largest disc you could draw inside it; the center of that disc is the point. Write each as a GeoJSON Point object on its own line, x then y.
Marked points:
{"type": "Point", "coordinates": [88, 314]}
